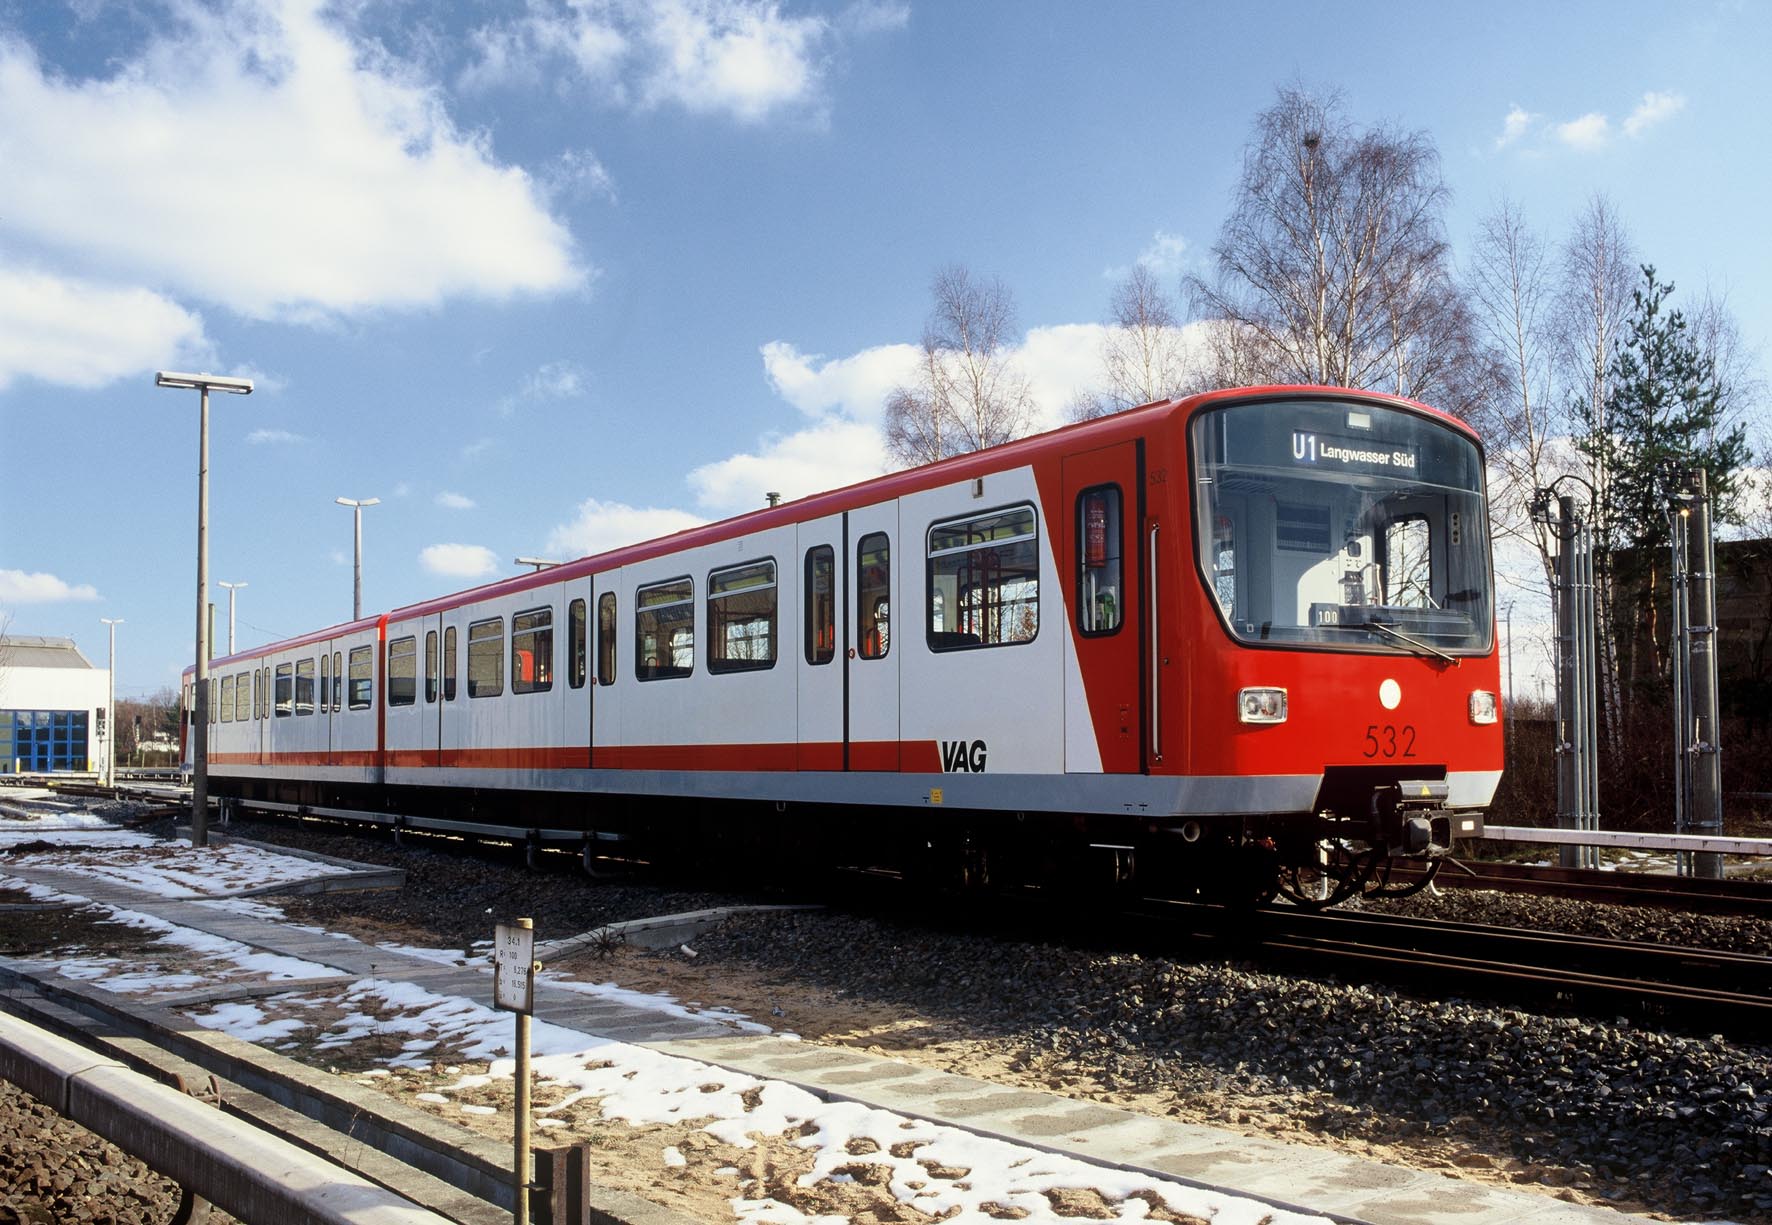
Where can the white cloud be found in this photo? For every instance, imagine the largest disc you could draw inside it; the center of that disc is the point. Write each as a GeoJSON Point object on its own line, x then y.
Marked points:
{"type": "Point", "coordinates": [74, 333]}
{"type": "Point", "coordinates": [827, 455]}
{"type": "Point", "coordinates": [1061, 362]}
{"type": "Point", "coordinates": [1587, 133]}
{"type": "Point", "coordinates": [745, 59]}
{"type": "Point", "coordinates": [458, 560]}
{"type": "Point", "coordinates": [1165, 255]}
{"type": "Point", "coordinates": [17, 587]}
{"type": "Point", "coordinates": [554, 381]}
{"type": "Point", "coordinates": [263, 437]}
{"type": "Point", "coordinates": [455, 501]}
{"type": "Point", "coordinates": [854, 387]}
{"type": "Point", "coordinates": [259, 158]}
{"type": "Point", "coordinates": [1654, 107]}
{"type": "Point", "coordinates": [597, 526]}
{"type": "Point", "coordinates": [1514, 126]}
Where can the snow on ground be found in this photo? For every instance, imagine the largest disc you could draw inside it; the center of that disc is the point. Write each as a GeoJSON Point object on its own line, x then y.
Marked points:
{"type": "Point", "coordinates": [634, 1085]}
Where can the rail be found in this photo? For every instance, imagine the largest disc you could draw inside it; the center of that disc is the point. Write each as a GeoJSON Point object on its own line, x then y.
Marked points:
{"type": "Point", "coordinates": [240, 1169]}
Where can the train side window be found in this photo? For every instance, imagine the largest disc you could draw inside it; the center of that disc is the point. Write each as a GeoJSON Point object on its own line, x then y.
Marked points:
{"type": "Point", "coordinates": [606, 638]}
{"type": "Point", "coordinates": [304, 686]}
{"type": "Point", "coordinates": [325, 682]}
{"type": "Point", "coordinates": [338, 677]}
{"type": "Point", "coordinates": [449, 664]}
{"type": "Point", "coordinates": [1101, 587]}
{"type": "Point", "coordinates": [227, 699]}
{"type": "Point", "coordinates": [664, 630]}
{"type": "Point", "coordinates": [258, 693]}
{"type": "Point", "coordinates": [742, 609]}
{"type": "Point", "coordinates": [486, 658]}
{"type": "Point", "coordinates": [430, 666]}
{"type": "Point", "coordinates": [984, 580]}
{"type": "Point", "coordinates": [873, 612]}
{"type": "Point", "coordinates": [362, 695]}
{"type": "Point", "coordinates": [403, 671]}
{"type": "Point", "coordinates": [285, 690]}
{"type": "Point", "coordinates": [214, 699]}
{"type": "Point", "coordinates": [821, 604]}
{"type": "Point", "coordinates": [575, 629]}
{"type": "Point", "coordinates": [242, 697]}
{"type": "Point", "coordinates": [532, 651]}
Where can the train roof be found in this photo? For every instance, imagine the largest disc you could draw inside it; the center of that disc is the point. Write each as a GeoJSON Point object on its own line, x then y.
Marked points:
{"type": "Point", "coordinates": [1101, 430]}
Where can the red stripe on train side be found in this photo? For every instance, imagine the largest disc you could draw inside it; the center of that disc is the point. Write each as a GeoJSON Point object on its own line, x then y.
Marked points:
{"type": "Point", "coordinates": [916, 756]}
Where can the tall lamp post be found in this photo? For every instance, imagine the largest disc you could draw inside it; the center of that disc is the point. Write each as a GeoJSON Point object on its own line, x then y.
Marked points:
{"type": "Point", "coordinates": [111, 705]}
{"type": "Point", "coordinates": [357, 505]}
{"type": "Point", "coordinates": [204, 384]}
{"type": "Point", "coordinates": [232, 588]}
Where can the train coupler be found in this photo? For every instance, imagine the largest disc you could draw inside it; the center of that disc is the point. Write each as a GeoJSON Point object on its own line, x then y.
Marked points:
{"type": "Point", "coordinates": [1415, 821]}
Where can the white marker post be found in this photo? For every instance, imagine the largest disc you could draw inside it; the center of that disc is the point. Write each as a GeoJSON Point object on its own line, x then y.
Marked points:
{"type": "Point", "coordinates": [513, 989]}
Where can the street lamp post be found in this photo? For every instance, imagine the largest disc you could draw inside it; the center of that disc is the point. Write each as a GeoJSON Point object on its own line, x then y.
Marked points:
{"type": "Point", "coordinates": [357, 505]}
{"type": "Point", "coordinates": [111, 705]}
{"type": "Point", "coordinates": [203, 383]}
{"type": "Point", "coordinates": [232, 588]}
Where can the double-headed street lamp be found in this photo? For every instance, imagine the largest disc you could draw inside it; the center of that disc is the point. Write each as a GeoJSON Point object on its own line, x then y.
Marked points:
{"type": "Point", "coordinates": [111, 704]}
{"type": "Point", "coordinates": [203, 383]}
{"type": "Point", "coordinates": [357, 505]}
{"type": "Point", "coordinates": [232, 588]}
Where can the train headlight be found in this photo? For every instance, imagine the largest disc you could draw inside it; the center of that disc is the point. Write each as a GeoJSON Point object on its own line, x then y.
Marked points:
{"type": "Point", "coordinates": [1483, 706]}
{"type": "Point", "coordinates": [1261, 705]}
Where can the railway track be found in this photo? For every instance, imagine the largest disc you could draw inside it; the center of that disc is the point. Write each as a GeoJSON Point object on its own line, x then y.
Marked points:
{"type": "Point", "coordinates": [1726, 897]}
{"type": "Point", "coordinates": [1705, 990]}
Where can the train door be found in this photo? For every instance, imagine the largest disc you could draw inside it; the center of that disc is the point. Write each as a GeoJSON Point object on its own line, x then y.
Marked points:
{"type": "Point", "coordinates": [1104, 723]}
{"type": "Point", "coordinates": [431, 691]}
{"type": "Point", "coordinates": [874, 650]}
{"type": "Point", "coordinates": [822, 650]}
{"type": "Point", "coordinates": [581, 687]}
{"type": "Point", "coordinates": [452, 714]}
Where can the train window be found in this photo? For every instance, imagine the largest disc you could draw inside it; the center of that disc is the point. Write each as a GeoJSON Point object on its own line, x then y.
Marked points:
{"type": "Point", "coordinates": [338, 676]}
{"type": "Point", "coordinates": [403, 671]}
{"type": "Point", "coordinates": [214, 700]}
{"type": "Point", "coordinates": [304, 686]}
{"type": "Point", "coordinates": [664, 630]}
{"type": "Point", "coordinates": [449, 664]}
{"type": "Point", "coordinates": [362, 695]}
{"type": "Point", "coordinates": [258, 693]}
{"type": "Point", "coordinates": [984, 580]}
{"type": "Point", "coordinates": [821, 604]}
{"type": "Point", "coordinates": [873, 608]}
{"type": "Point", "coordinates": [227, 699]}
{"type": "Point", "coordinates": [741, 618]}
{"type": "Point", "coordinates": [1101, 589]}
{"type": "Point", "coordinates": [325, 681]}
{"type": "Point", "coordinates": [1408, 566]}
{"type": "Point", "coordinates": [575, 628]}
{"type": "Point", "coordinates": [285, 690]}
{"type": "Point", "coordinates": [532, 651]}
{"type": "Point", "coordinates": [486, 658]}
{"type": "Point", "coordinates": [430, 666]}
{"type": "Point", "coordinates": [242, 696]}
{"type": "Point", "coordinates": [606, 638]}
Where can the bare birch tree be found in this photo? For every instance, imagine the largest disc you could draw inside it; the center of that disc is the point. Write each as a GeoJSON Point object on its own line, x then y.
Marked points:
{"type": "Point", "coordinates": [970, 393]}
{"type": "Point", "coordinates": [1512, 289]}
{"type": "Point", "coordinates": [1144, 355]}
{"type": "Point", "coordinates": [1333, 266]}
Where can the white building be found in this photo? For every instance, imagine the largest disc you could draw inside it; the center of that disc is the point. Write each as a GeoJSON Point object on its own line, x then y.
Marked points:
{"type": "Point", "coordinates": [52, 707]}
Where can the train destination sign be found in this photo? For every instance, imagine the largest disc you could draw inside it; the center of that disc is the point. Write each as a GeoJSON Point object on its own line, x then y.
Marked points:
{"type": "Point", "coordinates": [1327, 451]}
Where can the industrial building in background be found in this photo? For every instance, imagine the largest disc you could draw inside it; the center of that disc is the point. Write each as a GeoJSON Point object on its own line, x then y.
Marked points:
{"type": "Point", "coordinates": [52, 707]}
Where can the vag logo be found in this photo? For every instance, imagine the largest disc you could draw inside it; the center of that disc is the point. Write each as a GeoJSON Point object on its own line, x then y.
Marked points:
{"type": "Point", "coordinates": [959, 757]}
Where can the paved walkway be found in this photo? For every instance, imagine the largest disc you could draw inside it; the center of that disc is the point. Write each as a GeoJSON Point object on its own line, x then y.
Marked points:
{"type": "Point", "coordinates": [1300, 1177]}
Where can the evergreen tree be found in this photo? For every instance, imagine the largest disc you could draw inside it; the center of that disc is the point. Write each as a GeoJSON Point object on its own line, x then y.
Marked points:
{"type": "Point", "coordinates": [1665, 415]}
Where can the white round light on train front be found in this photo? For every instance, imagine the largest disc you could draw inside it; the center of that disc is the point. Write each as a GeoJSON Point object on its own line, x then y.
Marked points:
{"type": "Point", "coordinates": [1261, 705]}
{"type": "Point", "coordinates": [1483, 706]}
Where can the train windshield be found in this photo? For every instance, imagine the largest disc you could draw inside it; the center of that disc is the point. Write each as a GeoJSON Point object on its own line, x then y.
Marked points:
{"type": "Point", "coordinates": [1344, 525]}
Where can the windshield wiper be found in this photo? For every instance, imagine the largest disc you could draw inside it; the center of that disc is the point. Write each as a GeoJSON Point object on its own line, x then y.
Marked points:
{"type": "Point", "coordinates": [1421, 648]}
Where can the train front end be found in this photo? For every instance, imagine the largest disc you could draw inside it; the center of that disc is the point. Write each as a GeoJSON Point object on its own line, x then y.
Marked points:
{"type": "Point", "coordinates": [1343, 690]}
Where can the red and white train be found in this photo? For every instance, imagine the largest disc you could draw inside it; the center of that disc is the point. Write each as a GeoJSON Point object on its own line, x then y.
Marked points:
{"type": "Point", "coordinates": [1233, 643]}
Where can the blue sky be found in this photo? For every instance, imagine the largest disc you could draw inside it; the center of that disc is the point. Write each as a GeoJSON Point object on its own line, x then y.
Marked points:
{"type": "Point", "coordinates": [548, 277]}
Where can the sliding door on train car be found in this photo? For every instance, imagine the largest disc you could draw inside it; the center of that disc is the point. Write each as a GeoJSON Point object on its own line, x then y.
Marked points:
{"type": "Point", "coordinates": [873, 621]}
{"type": "Point", "coordinates": [821, 661]}
{"type": "Point", "coordinates": [1098, 553]}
